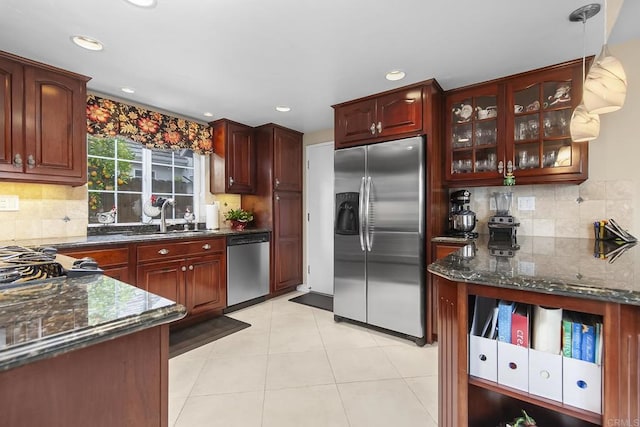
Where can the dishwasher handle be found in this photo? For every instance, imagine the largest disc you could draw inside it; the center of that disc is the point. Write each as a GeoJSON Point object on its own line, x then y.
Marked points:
{"type": "Point", "coordinates": [247, 239]}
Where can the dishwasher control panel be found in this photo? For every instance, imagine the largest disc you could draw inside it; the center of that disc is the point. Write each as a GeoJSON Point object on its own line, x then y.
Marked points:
{"type": "Point", "coordinates": [246, 239]}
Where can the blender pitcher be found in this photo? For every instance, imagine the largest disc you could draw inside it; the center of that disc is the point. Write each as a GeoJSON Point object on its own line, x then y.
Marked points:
{"type": "Point", "coordinates": [503, 202]}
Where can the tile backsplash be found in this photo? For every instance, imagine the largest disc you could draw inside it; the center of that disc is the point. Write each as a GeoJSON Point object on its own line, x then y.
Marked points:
{"type": "Point", "coordinates": [562, 210]}
{"type": "Point", "coordinates": [45, 211]}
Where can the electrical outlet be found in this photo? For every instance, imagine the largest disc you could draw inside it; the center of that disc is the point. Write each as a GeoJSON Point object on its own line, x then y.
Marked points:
{"type": "Point", "coordinates": [9, 203]}
{"type": "Point", "coordinates": [527, 203]}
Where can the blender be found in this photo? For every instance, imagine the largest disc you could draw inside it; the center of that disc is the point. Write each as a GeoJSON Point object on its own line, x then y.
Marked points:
{"type": "Point", "coordinates": [462, 220]}
{"type": "Point", "coordinates": [503, 226]}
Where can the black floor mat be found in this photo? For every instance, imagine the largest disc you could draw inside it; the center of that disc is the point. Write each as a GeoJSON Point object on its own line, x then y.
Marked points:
{"type": "Point", "coordinates": [312, 299]}
{"type": "Point", "coordinates": [190, 337]}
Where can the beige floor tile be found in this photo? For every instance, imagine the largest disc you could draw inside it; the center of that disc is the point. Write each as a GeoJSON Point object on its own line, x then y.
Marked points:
{"type": "Point", "coordinates": [183, 373]}
{"type": "Point", "coordinates": [302, 318]}
{"type": "Point", "coordinates": [413, 361]}
{"type": "Point", "coordinates": [247, 342]}
{"type": "Point", "coordinates": [298, 369]}
{"type": "Point", "coordinates": [231, 375]}
{"type": "Point", "coordinates": [383, 403]}
{"type": "Point", "coordinates": [201, 352]}
{"type": "Point", "coordinates": [344, 335]}
{"type": "Point", "coordinates": [317, 406]}
{"type": "Point", "coordinates": [228, 410]}
{"type": "Point", "coordinates": [361, 364]}
{"type": "Point", "coordinates": [323, 316]}
{"type": "Point", "coordinates": [294, 339]}
{"type": "Point", "coordinates": [175, 407]}
{"type": "Point", "coordinates": [426, 389]}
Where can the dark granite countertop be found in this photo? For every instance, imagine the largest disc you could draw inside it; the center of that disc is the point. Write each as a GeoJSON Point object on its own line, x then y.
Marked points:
{"type": "Point", "coordinates": [115, 237]}
{"type": "Point", "coordinates": [42, 320]}
{"type": "Point", "coordinates": [549, 265]}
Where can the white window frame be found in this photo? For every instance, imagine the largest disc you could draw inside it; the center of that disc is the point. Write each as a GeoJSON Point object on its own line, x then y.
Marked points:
{"type": "Point", "coordinates": [147, 176]}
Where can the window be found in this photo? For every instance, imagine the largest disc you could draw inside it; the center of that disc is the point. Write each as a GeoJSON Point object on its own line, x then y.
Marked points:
{"type": "Point", "coordinates": [125, 174]}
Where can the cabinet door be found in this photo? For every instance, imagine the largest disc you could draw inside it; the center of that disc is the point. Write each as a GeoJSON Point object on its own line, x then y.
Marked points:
{"type": "Point", "coordinates": [474, 141]}
{"type": "Point", "coordinates": [163, 278]}
{"type": "Point", "coordinates": [539, 109]}
{"type": "Point", "coordinates": [287, 239]}
{"type": "Point", "coordinates": [240, 159]}
{"type": "Point", "coordinates": [55, 130]}
{"type": "Point", "coordinates": [206, 285]}
{"type": "Point", "coordinates": [399, 113]}
{"type": "Point", "coordinates": [11, 136]}
{"type": "Point", "coordinates": [287, 162]}
{"type": "Point", "coordinates": [355, 122]}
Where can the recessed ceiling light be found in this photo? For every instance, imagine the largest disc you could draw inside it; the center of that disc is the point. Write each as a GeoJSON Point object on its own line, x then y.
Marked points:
{"type": "Point", "coordinates": [128, 90]}
{"type": "Point", "coordinates": [395, 75]}
{"type": "Point", "coordinates": [87, 42]}
{"type": "Point", "coordinates": [283, 108]}
{"type": "Point", "coordinates": [142, 3]}
{"type": "Point", "coordinates": [208, 114]}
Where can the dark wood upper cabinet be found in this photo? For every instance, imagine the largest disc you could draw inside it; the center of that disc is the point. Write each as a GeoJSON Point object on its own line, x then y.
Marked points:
{"type": "Point", "coordinates": [519, 122]}
{"type": "Point", "coordinates": [393, 114]}
{"type": "Point", "coordinates": [42, 123]}
{"type": "Point", "coordinates": [287, 160]}
{"type": "Point", "coordinates": [233, 164]}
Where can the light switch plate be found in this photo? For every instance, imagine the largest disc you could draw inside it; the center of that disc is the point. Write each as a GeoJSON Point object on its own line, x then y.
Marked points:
{"type": "Point", "coordinates": [9, 203]}
{"type": "Point", "coordinates": [527, 203]}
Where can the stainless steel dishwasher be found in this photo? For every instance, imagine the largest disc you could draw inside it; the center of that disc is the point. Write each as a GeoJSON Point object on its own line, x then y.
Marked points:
{"type": "Point", "coordinates": [247, 267]}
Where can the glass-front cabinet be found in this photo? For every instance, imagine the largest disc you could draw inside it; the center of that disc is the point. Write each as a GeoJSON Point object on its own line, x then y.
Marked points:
{"type": "Point", "coordinates": [473, 131]}
{"type": "Point", "coordinates": [519, 123]}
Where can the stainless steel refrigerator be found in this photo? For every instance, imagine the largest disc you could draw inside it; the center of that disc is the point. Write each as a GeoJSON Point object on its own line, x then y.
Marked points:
{"type": "Point", "coordinates": [379, 226]}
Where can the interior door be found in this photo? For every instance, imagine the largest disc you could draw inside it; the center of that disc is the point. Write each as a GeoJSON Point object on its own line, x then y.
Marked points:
{"type": "Point", "coordinates": [320, 206]}
{"type": "Point", "coordinates": [350, 280]}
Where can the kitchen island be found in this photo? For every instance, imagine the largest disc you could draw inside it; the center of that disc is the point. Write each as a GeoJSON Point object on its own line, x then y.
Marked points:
{"type": "Point", "coordinates": [84, 351]}
{"type": "Point", "coordinates": [549, 272]}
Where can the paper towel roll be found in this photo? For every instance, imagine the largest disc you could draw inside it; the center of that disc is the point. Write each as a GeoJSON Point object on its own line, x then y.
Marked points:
{"type": "Point", "coordinates": [211, 212]}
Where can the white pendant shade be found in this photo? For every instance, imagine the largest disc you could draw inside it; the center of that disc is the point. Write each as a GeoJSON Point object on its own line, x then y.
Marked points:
{"type": "Point", "coordinates": [605, 87]}
{"type": "Point", "coordinates": [584, 126]}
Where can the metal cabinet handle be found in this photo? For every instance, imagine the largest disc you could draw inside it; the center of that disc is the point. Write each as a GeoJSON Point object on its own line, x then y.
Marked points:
{"type": "Point", "coordinates": [277, 197]}
{"type": "Point", "coordinates": [230, 181]}
{"type": "Point", "coordinates": [183, 268]}
{"type": "Point", "coordinates": [373, 128]}
{"type": "Point", "coordinates": [379, 127]}
{"type": "Point", "coordinates": [163, 251]}
{"type": "Point", "coordinates": [500, 166]}
{"type": "Point", "coordinates": [191, 267]}
{"type": "Point", "coordinates": [206, 246]}
{"type": "Point", "coordinates": [31, 162]}
{"type": "Point", "coordinates": [17, 161]}
{"type": "Point", "coordinates": [277, 182]}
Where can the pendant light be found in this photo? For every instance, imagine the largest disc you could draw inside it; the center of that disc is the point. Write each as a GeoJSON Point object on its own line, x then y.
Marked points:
{"type": "Point", "coordinates": [584, 126]}
{"type": "Point", "coordinates": [605, 87]}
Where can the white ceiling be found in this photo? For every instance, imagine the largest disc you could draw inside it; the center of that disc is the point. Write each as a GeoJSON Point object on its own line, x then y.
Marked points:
{"type": "Point", "coordinates": [240, 58]}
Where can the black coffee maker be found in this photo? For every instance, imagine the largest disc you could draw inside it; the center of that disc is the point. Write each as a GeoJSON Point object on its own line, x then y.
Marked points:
{"type": "Point", "coordinates": [462, 220]}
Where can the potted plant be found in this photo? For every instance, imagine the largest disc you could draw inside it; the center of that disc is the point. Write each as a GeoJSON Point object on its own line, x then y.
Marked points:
{"type": "Point", "coordinates": [239, 218]}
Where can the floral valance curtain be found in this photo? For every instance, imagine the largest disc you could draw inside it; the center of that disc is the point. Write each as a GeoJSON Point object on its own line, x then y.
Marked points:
{"type": "Point", "coordinates": [107, 118]}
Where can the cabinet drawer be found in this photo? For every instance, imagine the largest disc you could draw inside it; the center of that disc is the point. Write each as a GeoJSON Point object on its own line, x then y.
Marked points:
{"type": "Point", "coordinates": [167, 250]}
{"type": "Point", "coordinates": [104, 257]}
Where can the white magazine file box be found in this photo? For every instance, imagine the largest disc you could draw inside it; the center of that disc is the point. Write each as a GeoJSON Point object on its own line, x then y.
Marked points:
{"type": "Point", "coordinates": [545, 374]}
{"type": "Point", "coordinates": [582, 384]}
{"type": "Point", "coordinates": [483, 358]}
{"type": "Point", "coordinates": [513, 366]}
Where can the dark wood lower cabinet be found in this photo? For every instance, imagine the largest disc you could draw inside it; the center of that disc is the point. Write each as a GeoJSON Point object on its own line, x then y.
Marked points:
{"type": "Point", "coordinates": [206, 285]}
{"type": "Point", "coordinates": [287, 240]}
{"type": "Point", "coordinates": [114, 261]}
{"type": "Point", "coordinates": [120, 382]}
{"type": "Point", "coordinates": [466, 400]}
{"type": "Point", "coordinates": [164, 278]}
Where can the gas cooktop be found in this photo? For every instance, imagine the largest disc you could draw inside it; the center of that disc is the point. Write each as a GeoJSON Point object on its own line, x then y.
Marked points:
{"type": "Point", "coordinates": [19, 265]}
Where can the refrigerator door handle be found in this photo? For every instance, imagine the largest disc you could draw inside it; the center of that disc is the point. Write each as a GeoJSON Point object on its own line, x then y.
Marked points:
{"type": "Point", "coordinates": [366, 213]}
{"type": "Point", "coordinates": [360, 214]}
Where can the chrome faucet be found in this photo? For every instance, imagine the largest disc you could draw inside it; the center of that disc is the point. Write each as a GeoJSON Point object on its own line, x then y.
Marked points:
{"type": "Point", "coordinates": [163, 220]}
